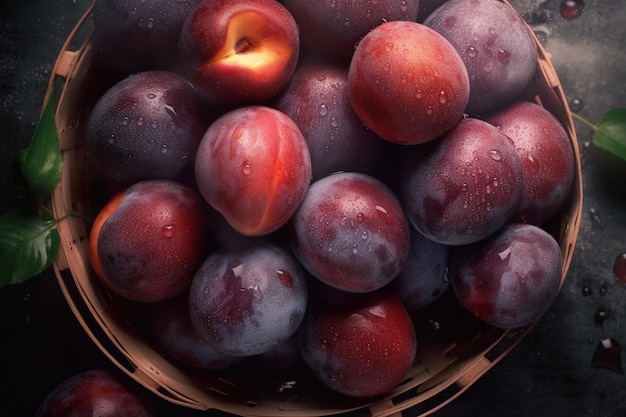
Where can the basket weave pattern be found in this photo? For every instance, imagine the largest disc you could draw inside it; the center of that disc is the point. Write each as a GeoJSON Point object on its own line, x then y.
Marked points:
{"type": "Point", "coordinates": [447, 364]}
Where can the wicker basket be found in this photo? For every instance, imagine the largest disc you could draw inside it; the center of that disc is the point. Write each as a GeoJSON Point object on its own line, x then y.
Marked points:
{"type": "Point", "coordinates": [447, 363]}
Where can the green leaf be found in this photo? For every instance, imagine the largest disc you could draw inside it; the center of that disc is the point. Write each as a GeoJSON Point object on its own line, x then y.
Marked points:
{"type": "Point", "coordinates": [610, 133]}
{"type": "Point", "coordinates": [41, 162]}
{"type": "Point", "coordinates": [28, 246]}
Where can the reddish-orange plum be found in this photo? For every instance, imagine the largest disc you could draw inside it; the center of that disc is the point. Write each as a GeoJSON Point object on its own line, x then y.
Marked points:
{"type": "Point", "coordinates": [240, 51]}
{"type": "Point", "coordinates": [407, 83]}
{"type": "Point", "coordinates": [148, 241]}
{"type": "Point", "coordinates": [253, 166]}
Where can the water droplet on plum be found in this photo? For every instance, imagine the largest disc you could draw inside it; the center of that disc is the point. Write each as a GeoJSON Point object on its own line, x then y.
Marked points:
{"type": "Point", "coordinates": [504, 56]}
{"type": "Point", "coordinates": [471, 51]}
{"type": "Point", "coordinates": [323, 110]}
{"type": "Point", "coordinates": [285, 278]}
{"type": "Point", "coordinates": [169, 230]}
{"type": "Point", "coordinates": [246, 168]}
{"type": "Point", "coordinates": [443, 98]}
{"type": "Point", "coordinates": [495, 155]}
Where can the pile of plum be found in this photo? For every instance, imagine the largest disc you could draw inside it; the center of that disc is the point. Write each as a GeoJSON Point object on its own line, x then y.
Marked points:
{"type": "Point", "coordinates": [308, 175]}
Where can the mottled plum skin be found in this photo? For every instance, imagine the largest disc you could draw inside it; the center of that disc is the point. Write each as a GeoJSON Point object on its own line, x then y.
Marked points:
{"type": "Point", "coordinates": [547, 159]}
{"type": "Point", "coordinates": [423, 278]}
{"type": "Point", "coordinates": [510, 279]}
{"type": "Point", "coordinates": [138, 35]}
{"type": "Point", "coordinates": [247, 302]}
{"type": "Point", "coordinates": [317, 100]}
{"type": "Point", "coordinates": [253, 166]}
{"type": "Point", "coordinates": [147, 126]}
{"type": "Point", "coordinates": [407, 83]}
{"type": "Point", "coordinates": [496, 46]}
{"type": "Point", "coordinates": [351, 233]}
{"type": "Point", "coordinates": [95, 392]}
{"type": "Point", "coordinates": [359, 349]}
{"type": "Point", "coordinates": [151, 244]}
{"type": "Point", "coordinates": [333, 28]}
{"type": "Point", "coordinates": [170, 325]}
{"type": "Point", "coordinates": [465, 186]}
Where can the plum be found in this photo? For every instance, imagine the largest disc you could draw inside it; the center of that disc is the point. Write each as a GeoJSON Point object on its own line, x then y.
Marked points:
{"type": "Point", "coordinates": [423, 278]}
{"type": "Point", "coordinates": [98, 392]}
{"type": "Point", "coordinates": [249, 301]}
{"type": "Point", "coordinates": [170, 326]}
{"type": "Point", "coordinates": [362, 348]}
{"type": "Point", "coordinates": [332, 28]}
{"type": "Point", "coordinates": [496, 46]}
{"type": "Point", "coordinates": [147, 126]}
{"type": "Point", "coordinates": [351, 232]}
{"type": "Point", "coordinates": [547, 159]}
{"type": "Point", "coordinates": [464, 186]}
{"type": "Point", "coordinates": [407, 83]}
{"type": "Point", "coordinates": [138, 35]}
{"type": "Point", "coordinates": [427, 7]}
{"type": "Point", "coordinates": [240, 51]}
{"type": "Point", "coordinates": [253, 166]}
{"type": "Point", "coordinates": [148, 241]}
{"type": "Point", "coordinates": [509, 279]}
{"type": "Point", "coordinates": [317, 100]}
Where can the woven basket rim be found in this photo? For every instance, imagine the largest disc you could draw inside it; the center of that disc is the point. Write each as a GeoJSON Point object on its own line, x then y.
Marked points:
{"type": "Point", "coordinates": [434, 386]}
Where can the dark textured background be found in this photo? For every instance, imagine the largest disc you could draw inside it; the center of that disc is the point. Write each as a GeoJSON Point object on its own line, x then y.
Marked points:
{"type": "Point", "coordinates": [548, 374]}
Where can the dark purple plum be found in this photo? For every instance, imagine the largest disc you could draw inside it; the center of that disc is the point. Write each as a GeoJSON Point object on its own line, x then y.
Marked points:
{"type": "Point", "coordinates": [333, 28]}
{"type": "Point", "coordinates": [510, 279]}
{"type": "Point", "coordinates": [351, 232]}
{"type": "Point", "coordinates": [170, 325]}
{"type": "Point", "coordinates": [247, 302]}
{"type": "Point", "coordinates": [427, 7]}
{"type": "Point", "coordinates": [147, 126]}
{"type": "Point", "coordinates": [464, 186]}
{"type": "Point", "coordinates": [547, 159]}
{"type": "Point", "coordinates": [360, 349]}
{"type": "Point", "coordinates": [317, 100]}
{"type": "Point", "coordinates": [496, 46]}
{"type": "Point", "coordinates": [138, 35]}
{"type": "Point", "coordinates": [423, 279]}
{"type": "Point", "coordinates": [92, 392]}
